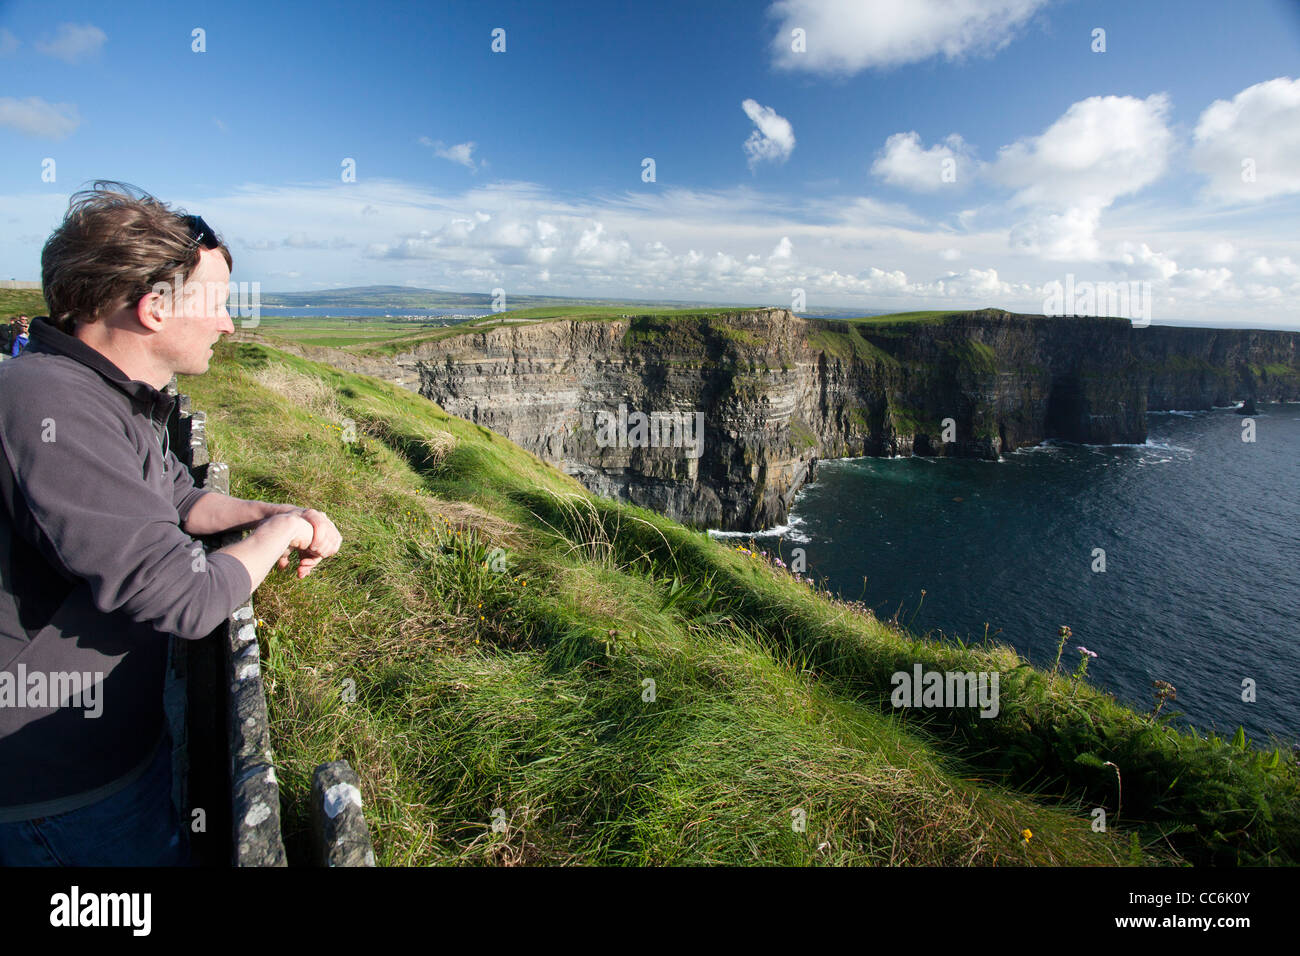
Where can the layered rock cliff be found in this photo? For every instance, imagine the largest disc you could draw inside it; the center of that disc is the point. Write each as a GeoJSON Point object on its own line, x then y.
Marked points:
{"type": "Point", "coordinates": [774, 393]}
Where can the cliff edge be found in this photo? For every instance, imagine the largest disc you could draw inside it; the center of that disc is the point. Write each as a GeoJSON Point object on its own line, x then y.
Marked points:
{"type": "Point", "coordinates": [771, 393]}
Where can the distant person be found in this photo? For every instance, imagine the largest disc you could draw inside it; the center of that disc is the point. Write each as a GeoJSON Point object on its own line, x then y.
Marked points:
{"type": "Point", "coordinates": [8, 332]}
{"type": "Point", "coordinates": [98, 561]}
{"type": "Point", "coordinates": [21, 327]}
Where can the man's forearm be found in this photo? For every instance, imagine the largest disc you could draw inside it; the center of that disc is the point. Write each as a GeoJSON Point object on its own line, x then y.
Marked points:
{"type": "Point", "coordinates": [261, 550]}
{"type": "Point", "coordinates": [215, 512]}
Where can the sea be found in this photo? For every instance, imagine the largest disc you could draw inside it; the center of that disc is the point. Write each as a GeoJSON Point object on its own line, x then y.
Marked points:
{"type": "Point", "coordinates": [1175, 560]}
{"type": "Point", "coordinates": [397, 312]}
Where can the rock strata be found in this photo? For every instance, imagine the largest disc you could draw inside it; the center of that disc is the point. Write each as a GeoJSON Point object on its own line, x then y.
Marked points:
{"type": "Point", "coordinates": [777, 393]}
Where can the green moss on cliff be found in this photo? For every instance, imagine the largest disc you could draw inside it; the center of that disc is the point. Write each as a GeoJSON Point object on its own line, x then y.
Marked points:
{"type": "Point", "coordinates": [974, 359]}
{"type": "Point", "coordinates": [802, 435]}
{"type": "Point", "coordinates": [905, 318]}
{"type": "Point", "coordinates": [847, 344]}
{"type": "Point", "coordinates": [858, 418]}
{"type": "Point", "coordinates": [697, 332]}
{"type": "Point", "coordinates": [1275, 370]}
{"type": "Point", "coordinates": [741, 336]}
{"type": "Point", "coordinates": [913, 421]}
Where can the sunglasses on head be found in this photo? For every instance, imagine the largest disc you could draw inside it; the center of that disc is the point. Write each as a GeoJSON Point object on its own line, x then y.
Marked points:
{"type": "Point", "coordinates": [201, 233]}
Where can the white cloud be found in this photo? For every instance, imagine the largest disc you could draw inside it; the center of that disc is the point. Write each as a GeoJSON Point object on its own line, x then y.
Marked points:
{"type": "Point", "coordinates": [773, 141]}
{"type": "Point", "coordinates": [73, 42]}
{"type": "Point", "coordinates": [1259, 128]}
{"type": "Point", "coordinates": [847, 36]}
{"type": "Point", "coordinates": [302, 240]}
{"type": "Point", "coordinates": [904, 163]}
{"type": "Point", "coordinates": [1203, 282]}
{"type": "Point", "coordinates": [35, 117]}
{"type": "Point", "coordinates": [594, 248]}
{"type": "Point", "coordinates": [1100, 149]}
{"type": "Point", "coordinates": [982, 284]}
{"type": "Point", "coordinates": [723, 245]}
{"type": "Point", "coordinates": [462, 153]}
{"type": "Point", "coordinates": [879, 280]}
{"type": "Point", "coordinates": [1067, 235]}
{"type": "Point", "coordinates": [1219, 252]}
{"type": "Point", "coordinates": [1144, 262]}
{"type": "Point", "coordinates": [1281, 266]}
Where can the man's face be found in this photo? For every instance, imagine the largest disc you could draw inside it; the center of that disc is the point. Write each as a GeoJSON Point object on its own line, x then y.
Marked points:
{"type": "Point", "coordinates": [199, 319]}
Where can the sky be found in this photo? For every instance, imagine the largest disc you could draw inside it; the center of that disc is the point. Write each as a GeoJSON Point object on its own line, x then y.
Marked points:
{"type": "Point", "coordinates": [879, 155]}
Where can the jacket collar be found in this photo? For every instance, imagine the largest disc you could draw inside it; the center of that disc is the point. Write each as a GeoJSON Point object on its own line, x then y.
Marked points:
{"type": "Point", "coordinates": [44, 337]}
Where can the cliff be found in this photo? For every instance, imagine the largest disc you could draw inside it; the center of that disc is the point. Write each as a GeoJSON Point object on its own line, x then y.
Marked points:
{"type": "Point", "coordinates": [774, 393]}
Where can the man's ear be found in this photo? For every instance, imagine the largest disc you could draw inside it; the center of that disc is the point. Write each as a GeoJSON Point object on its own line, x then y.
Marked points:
{"type": "Point", "coordinates": [151, 310]}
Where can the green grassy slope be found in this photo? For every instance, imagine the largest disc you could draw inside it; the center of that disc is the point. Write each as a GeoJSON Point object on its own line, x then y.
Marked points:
{"type": "Point", "coordinates": [611, 687]}
{"type": "Point", "coordinates": [680, 317]}
{"type": "Point", "coordinates": [16, 302]}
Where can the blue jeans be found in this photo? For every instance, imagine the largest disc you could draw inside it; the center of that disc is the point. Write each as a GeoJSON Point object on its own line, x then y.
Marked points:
{"type": "Point", "coordinates": [137, 826]}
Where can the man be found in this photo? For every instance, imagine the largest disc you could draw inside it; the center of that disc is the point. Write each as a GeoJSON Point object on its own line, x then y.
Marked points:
{"type": "Point", "coordinates": [98, 564]}
{"type": "Point", "coordinates": [8, 332]}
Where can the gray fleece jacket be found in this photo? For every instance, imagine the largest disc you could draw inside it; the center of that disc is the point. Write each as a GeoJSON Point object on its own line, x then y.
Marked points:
{"type": "Point", "coordinates": [95, 572]}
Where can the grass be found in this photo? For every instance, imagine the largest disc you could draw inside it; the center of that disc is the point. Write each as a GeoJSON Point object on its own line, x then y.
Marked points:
{"type": "Point", "coordinates": [1275, 370]}
{"type": "Point", "coordinates": [844, 342]}
{"type": "Point", "coordinates": [522, 673]}
{"type": "Point", "coordinates": [16, 302]}
{"type": "Point", "coordinates": [616, 312]}
{"type": "Point", "coordinates": [339, 332]}
{"type": "Point", "coordinates": [913, 421]}
{"type": "Point", "coordinates": [905, 318]}
{"type": "Point", "coordinates": [975, 359]}
{"type": "Point", "coordinates": [544, 314]}
{"type": "Point", "coordinates": [802, 435]}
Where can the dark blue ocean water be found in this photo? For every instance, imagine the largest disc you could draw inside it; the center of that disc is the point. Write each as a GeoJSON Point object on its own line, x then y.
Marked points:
{"type": "Point", "coordinates": [1201, 533]}
{"type": "Point", "coordinates": [319, 311]}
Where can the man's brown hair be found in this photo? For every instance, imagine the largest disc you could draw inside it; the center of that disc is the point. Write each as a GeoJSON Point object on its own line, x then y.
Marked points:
{"type": "Point", "coordinates": [115, 242]}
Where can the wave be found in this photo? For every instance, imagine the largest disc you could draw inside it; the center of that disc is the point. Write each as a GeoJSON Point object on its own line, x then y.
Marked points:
{"type": "Point", "coordinates": [1049, 444]}
{"type": "Point", "coordinates": [1159, 445]}
{"type": "Point", "coordinates": [790, 530]}
{"type": "Point", "coordinates": [1052, 445]}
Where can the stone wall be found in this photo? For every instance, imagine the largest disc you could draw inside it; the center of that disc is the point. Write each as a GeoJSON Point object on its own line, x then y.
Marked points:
{"type": "Point", "coordinates": [224, 781]}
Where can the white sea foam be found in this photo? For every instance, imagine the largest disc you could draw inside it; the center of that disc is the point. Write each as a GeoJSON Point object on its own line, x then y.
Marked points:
{"type": "Point", "coordinates": [1159, 445]}
{"type": "Point", "coordinates": [1041, 447]}
{"type": "Point", "coordinates": [790, 531]}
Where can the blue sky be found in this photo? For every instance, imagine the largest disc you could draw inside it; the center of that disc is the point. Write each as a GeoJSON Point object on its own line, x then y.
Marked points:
{"type": "Point", "coordinates": [523, 169]}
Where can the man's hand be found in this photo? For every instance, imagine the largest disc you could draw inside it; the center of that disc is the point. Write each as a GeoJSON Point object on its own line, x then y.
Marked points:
{"type": "Point", "coordinates": [325, 542]}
